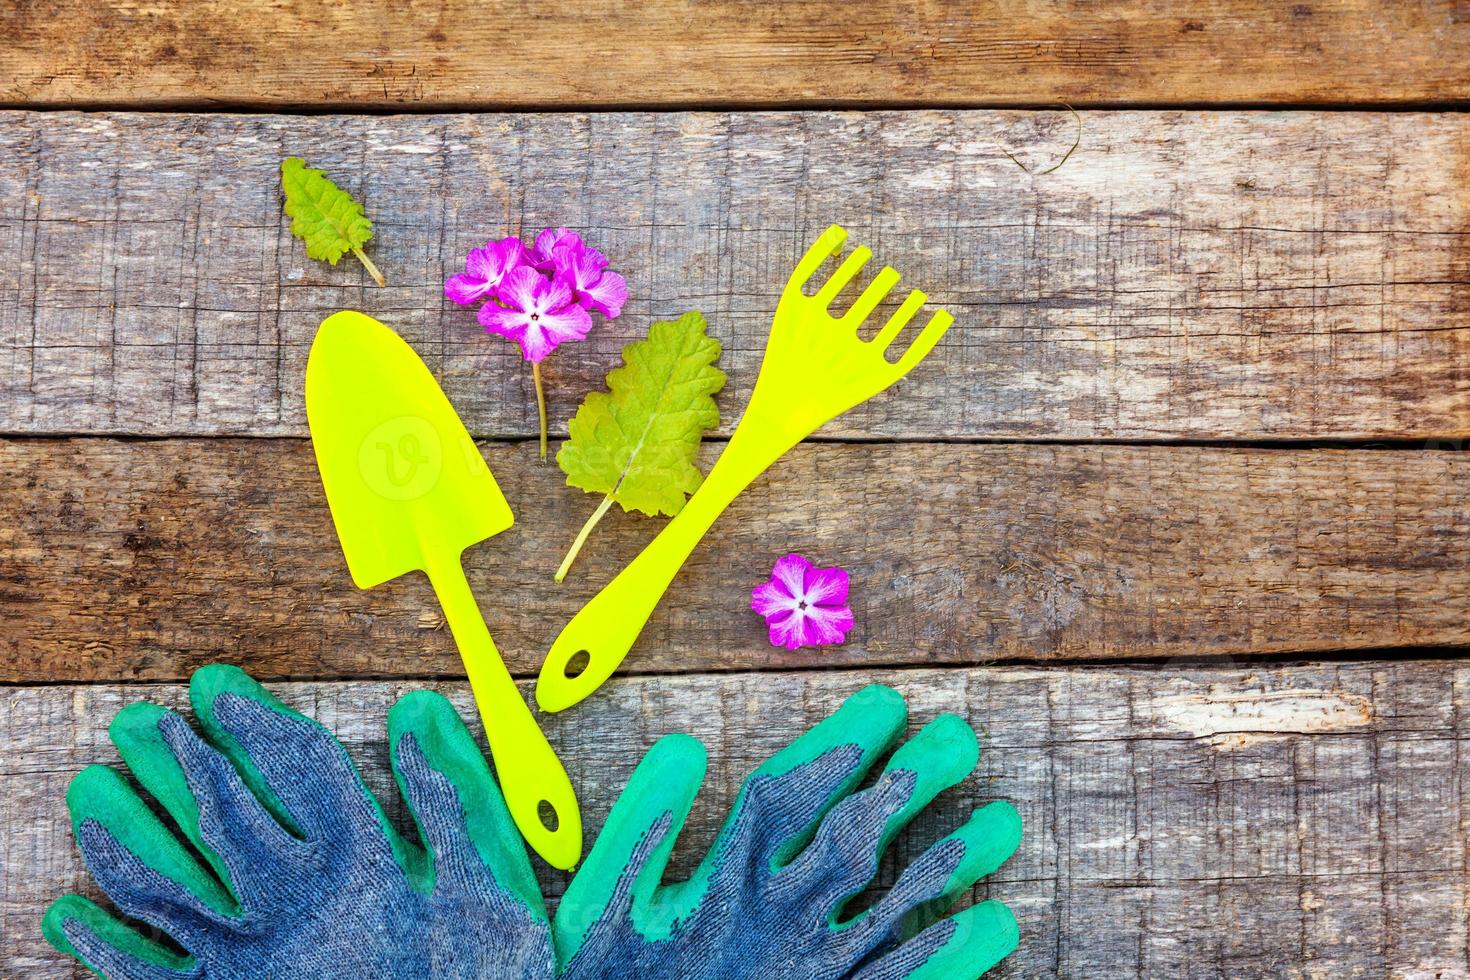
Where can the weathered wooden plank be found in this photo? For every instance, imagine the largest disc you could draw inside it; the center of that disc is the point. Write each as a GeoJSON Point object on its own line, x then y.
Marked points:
{"type": "Point", "coordinates": [1286, 821]}
{"type": "Point", "coordinates": [144, 559]}
{"type": "Point", "coordinates": [463, 53]}
{"type": "Point", "coordinates": [1184, 275]}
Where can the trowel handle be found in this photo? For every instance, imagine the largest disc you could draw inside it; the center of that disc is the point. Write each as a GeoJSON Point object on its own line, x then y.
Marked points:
{"type": "Point", "coordinates": [530, 774]}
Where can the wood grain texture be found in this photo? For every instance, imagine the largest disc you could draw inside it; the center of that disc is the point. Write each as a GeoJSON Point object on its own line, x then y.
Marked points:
{"type": "Point", "coordinates": [1189, 275]}
{"type": "Point", "coordinates": [461, 53]}
{"type": "Point", "coordinates": [144, 559]}
{"type": "Point", "coordinates": [1291, 821]}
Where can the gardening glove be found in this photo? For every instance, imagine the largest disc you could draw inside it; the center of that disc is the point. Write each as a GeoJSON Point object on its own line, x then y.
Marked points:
{"type": "Point", "coordinates": [302, 876]}
{"type": "Point", "coordinates": [769, 899]}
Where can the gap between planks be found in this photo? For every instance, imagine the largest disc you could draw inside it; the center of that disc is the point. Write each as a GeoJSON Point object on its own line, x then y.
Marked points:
{"type": "Point", "coordinates": [1202, 664]}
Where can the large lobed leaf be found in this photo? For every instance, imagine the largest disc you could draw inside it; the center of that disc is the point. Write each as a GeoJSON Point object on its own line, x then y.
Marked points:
{"type": "Point", "coordinates": [638, 441]}
{"type": "Point", "coordinates": [322, 214]}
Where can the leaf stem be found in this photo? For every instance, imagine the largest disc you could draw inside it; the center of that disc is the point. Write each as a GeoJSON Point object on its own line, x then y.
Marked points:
{"type": "Point", "coordinates": [566, 563]}
{"type": "Point", "coordinates": [540, 407]}
{"type": "Point", "coordinates": [368, 264]}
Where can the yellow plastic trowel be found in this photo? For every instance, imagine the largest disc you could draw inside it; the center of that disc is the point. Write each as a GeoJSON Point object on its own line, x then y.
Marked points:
{"type": "Point", "coordinates": [409, 491]}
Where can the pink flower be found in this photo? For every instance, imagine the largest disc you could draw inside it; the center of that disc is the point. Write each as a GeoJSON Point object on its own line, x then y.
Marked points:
{"type": "Point", "coordinates": [593, 284]}
{"type": "Point", "coordinates": [804, 606]}
{"type": "Point", "coordinates": [538, 297]}
{"type": "Point", "coordinates": [485, 269]}
{"type": "Point", "coordinates": [538, 313]}
{"type": "Point", "coordinates": [543, 256]}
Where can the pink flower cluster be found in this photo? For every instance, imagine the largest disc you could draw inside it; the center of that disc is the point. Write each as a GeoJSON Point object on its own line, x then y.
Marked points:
{"type": "Point", "coordinates": [539, 297]}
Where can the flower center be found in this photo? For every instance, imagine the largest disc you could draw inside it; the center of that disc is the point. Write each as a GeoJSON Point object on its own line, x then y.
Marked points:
{"type": "Point", "coordinates": [801, 605]}
{"type": "Point", "coordinates": [535, 317]}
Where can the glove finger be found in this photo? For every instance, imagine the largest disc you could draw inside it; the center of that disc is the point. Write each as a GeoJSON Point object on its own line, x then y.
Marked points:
{"type": "Point", "coordinates": [138, 862]}
{"type": "Point", "coordinates": [856, 734]}
{"type": "Point", "coordinates": [458, 806]}
{"type": "Point", "coordinates": [962, 947]}
{"type": "Point", "coordinates": [79, 928]}
{"type": "Point", "coordinates": [197, 785]}
{"type": "Point", "coordinates": [292, 764]}
{"type": "Point", "coordinates": [929, 886]}
{"type": "Point", "coordinates": [232, 823]}
{"type": "Point", "coordinates": [628, 860]}
{"type": "Point", "coordinates": [137, 733]}
{"type": "Point", "coordinates": [845, 852]}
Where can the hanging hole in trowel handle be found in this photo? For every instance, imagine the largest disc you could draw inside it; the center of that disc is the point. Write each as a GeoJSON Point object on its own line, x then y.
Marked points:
{"type": "Point", "coordinates": [576, 664]}
{"type": "Point", "coordinates": [546, 813]}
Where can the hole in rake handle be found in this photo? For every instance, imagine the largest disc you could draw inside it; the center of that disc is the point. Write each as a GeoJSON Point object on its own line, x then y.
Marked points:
{"type": "Point", "coordinates": [546, 813]}
{"type": "Point", "coordinates": [576, 664]}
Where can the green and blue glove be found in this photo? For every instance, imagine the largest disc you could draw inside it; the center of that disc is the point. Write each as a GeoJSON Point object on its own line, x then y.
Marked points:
{"type": "Point", "coordinates": [801, 842]}
{"type": "Point", "coordinates": [301, 874]}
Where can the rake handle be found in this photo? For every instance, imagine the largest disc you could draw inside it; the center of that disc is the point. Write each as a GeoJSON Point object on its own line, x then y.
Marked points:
{"type": "Point", "coordinates": [607, 626]}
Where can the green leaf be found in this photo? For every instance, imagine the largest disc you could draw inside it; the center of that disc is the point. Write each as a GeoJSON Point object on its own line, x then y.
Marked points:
{"type": "Point", "coordinates": [637, 442]}
{"type": "Point", "coordinates": [324, 216]}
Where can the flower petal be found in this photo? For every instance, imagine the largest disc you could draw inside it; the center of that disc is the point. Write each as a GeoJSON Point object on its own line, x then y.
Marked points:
{"type": "Point", "coordinates": [769, 599]}
{"type": "Point", "coordinates": [594, 258]}
{"type": "Point", "coordinates": [535, 345]}
{"type": "Point", "coordinates": [573, 266]}
{"type": "Point", "coordinates": [785, 630]}
{"type": "Point", "coordinates": [556, 296]}
{"type": "Point", "coordinates": [791, 572]}
{"type": "Point", "coordinates": [549, 241]}
{"type": "Point", "coordinates": [569, 323]}
{"type": "Point", "coordinates": [504, 256]}
{"type": "Point", "coordinates": [821, 625]}
{"type": "Point", "coordinates": [607, 295]}
{"type": "Point", "coordinates": [466, 289]}
{"type": "Point", "coordinates": [826, 586]}
{"type": "Point", "coordinates": [510, 324]}
{"type": "Point", "coordinates": [544, 334]}
{"type": "Point", "coordinates": [479, 264]}
{"type": "Point", "coordinates": [521, 287]}
{"type": "Point", "coordinates": [584, 263]}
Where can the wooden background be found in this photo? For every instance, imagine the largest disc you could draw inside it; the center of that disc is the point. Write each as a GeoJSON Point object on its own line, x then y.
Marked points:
{"type": "Point", "coordinates": [1175, 515]}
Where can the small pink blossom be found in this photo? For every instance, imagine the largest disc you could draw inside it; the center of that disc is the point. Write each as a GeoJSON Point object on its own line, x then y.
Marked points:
{"type": "Point", "coordinates": [804, 606]}
{"type": "Point", "coordinates": [538, 296]}
{"type": "Point", "coordinates": [485, 269]}
{"type": "Point", "coordinates": [538, 313]}
{"type": "Point", "coordinates": [593, 284]}
{"type": "Point", "coordinates": [543, 254]}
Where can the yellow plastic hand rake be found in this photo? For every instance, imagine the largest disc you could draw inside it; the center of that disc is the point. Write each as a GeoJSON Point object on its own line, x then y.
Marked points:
{"type": "Point", "coordinates": [816, 367]}
{"type": "Point", "coordinates": [409, 491]}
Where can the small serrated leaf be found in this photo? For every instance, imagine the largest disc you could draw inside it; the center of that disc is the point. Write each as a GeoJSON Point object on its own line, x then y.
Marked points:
{"type": "Point", "coordinates": [324, 216]}
{"type": "Point", "coordinates": [638, 441]}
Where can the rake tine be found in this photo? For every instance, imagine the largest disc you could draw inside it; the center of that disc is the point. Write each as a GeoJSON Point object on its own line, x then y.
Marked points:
{"type": "Point", "coordinates": [830, 243]}
{"type": "Point", "coordinates": [924, 343]}
{"type": "Point", "coordinates": [899, 319]}
{"type": "Point", "coordinates": [876, 292]}
{"type": "Point", "coordinates": [850, 267]}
